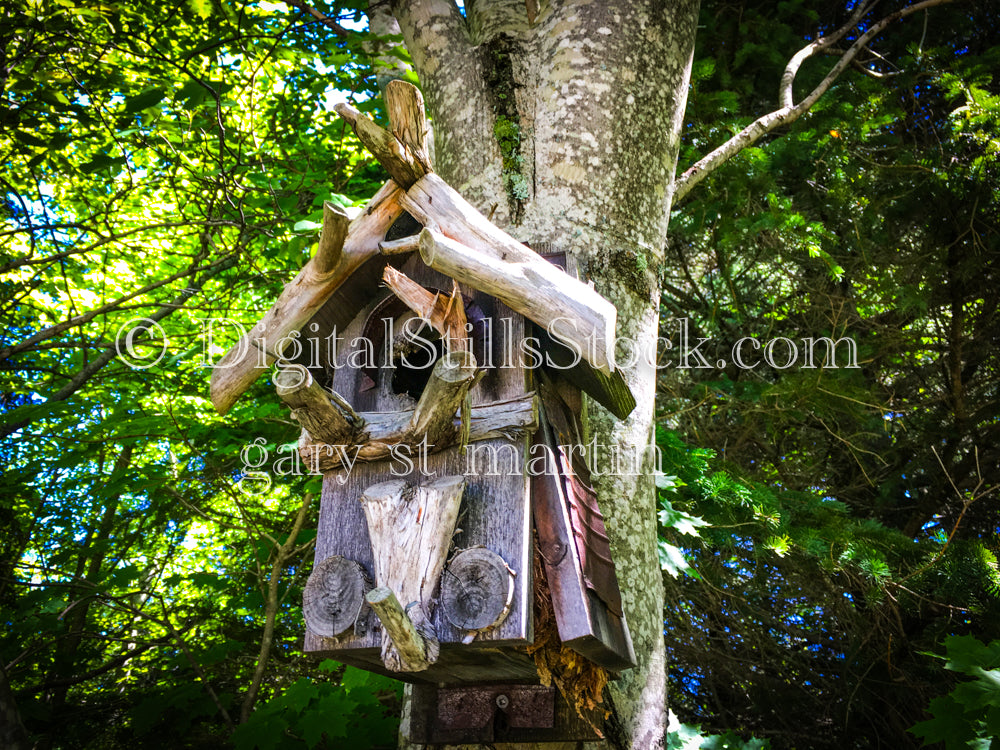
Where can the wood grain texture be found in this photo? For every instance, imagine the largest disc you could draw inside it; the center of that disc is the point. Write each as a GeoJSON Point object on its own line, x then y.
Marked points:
{"type": "Point", "coordinates": [404, 648]}
{"type": "Point", "coordinates": [444, 212]}
{"type": "Point", "coordinates": [334, 596]}
{"type": "Point", "coordinates": [573, 313]}
{"type": "Point", "coordinates": [326, 419]}
{"type": "Point", "coordinates": [477, 589]}
{"type": "Point", "coordinates": [584, 622]}
{"type": "Point", "coordinates": [495, 510]}
{"type": "Point", "coordinates": [405, 105]}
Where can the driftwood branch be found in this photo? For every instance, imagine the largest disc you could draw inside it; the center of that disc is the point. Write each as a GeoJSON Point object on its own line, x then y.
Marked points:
{"type": "Point", "coordinates": [303, 297]}
{"type": "Point", "coordinates": [320, 415]}
{"type": "Point", "coordinates": [433, 418]}
{"type": "Point", "coordinates": [456, 223]}
{"type": "Point", "coordinates": [403, 152]}
{"type": "Point", "coordinates": [536, 289]}
{"type": "Point", "coordinates": [331, 240]}
{"type": "Point", "coordinates": [407, 119]}
{"type": "Point", "coordinates": [789, 112]}
{"type": "Point", "coordinates": [399, 247]}
{"type": "Point", "coordinates": [388, 434]}
{"type": "Point", "coordinates": [409, 645]}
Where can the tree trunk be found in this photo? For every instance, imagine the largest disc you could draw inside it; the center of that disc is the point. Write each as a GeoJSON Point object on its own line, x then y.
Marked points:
{"type": "Point", "coordinates": [563, 125]}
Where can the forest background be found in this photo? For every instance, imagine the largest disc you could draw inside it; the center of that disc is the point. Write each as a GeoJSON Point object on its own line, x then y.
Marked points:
{"type": "Point", "coordinates": [827, 535]}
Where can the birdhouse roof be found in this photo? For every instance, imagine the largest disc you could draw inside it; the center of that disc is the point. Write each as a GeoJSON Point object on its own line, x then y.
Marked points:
{"type": "Point", "coordinates": [575, 325]}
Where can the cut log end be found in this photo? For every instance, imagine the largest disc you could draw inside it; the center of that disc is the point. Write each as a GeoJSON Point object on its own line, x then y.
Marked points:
{"type": "Point", "coordinates": [334, 596]}
{"type": "Point", "coordinates": [477, 590]}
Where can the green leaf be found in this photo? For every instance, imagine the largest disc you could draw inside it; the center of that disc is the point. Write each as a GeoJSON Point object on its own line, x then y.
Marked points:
{"type": "Point", "coordinates": [201, 8]}
{"type": "Point", "coordinates": [146, 99]}
{"type": "Point", "coordinates": [673, 562]}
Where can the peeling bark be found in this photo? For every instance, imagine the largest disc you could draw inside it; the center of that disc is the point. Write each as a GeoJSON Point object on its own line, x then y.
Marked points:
{"type": "Point", "coordinates": [598, 92]}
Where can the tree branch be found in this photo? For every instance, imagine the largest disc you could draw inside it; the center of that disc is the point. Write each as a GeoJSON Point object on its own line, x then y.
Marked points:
{"type": "Point", "coordinates": [790, 112]}
{"type": "Point", "coordinates": [335, 27]}
{"type": "Point", "coordinates": [111, 350]}
{"type": "Point", "coordinates": [281, 557]}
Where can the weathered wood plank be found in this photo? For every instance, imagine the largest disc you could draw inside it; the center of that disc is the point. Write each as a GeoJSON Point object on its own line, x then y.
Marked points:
{"type": "Point", "coordinates": [584, 622]}
{"type": "Point", "coordinates": [384, 433]}
{"type": "Point", "coordinates": [494, 514]}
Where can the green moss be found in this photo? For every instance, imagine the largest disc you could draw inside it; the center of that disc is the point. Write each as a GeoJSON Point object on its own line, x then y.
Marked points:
{"type": "Point", "coordinates": [499, 77]}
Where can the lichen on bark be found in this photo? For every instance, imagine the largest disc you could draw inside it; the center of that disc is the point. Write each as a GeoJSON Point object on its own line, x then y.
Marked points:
{"type": "Point", "coordinates": [593, 95]}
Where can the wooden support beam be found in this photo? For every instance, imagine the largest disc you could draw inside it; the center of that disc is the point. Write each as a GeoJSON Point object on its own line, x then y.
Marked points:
{"type": "Point", "coordinates": [570, 311]}
{"type": "Point", "coordinates": [385, 432]}
{"type": "Point", "coordinates": [569, 305]}
{"type": "Point", "coordinates": [410, 530]}
{"type": "Point", "coordinates": [325, 418]}
{"type": "Point", "coordinates": [303, 297]}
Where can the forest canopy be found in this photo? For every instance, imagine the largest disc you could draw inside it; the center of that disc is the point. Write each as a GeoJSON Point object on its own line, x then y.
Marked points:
{"type": "Point", "coordinates": [829, 535]}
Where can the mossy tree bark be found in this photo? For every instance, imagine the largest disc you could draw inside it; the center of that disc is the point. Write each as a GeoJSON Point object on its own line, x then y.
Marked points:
{"type": "Point", "coordinates": [561, 120]}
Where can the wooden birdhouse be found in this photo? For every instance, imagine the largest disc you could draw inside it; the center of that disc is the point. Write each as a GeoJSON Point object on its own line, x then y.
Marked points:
{"type": "Point", "coordinates": [436, 366]}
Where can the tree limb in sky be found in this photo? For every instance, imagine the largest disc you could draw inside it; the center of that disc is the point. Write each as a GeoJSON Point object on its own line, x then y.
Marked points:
{"type": "Point", "coordinates": [789, 112]}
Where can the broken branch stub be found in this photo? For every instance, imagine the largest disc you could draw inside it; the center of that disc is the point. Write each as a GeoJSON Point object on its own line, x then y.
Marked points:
{"type": "Point", "coordinates": [446, 315]}
{"type": "Point", "coordinates": [336, 222]}
{"type": "Point", "coordinates": [399, 161]}
{"type": "Point", "coordinates": [432, 419]}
